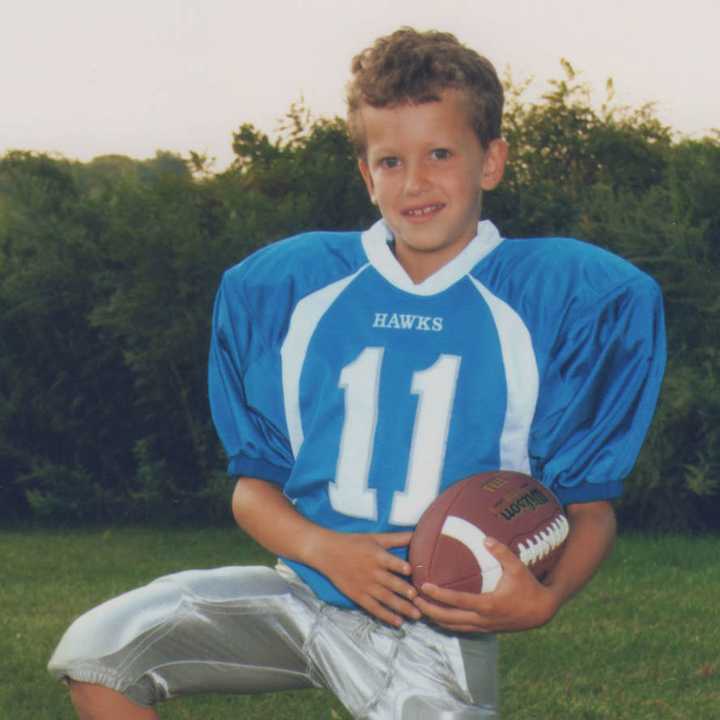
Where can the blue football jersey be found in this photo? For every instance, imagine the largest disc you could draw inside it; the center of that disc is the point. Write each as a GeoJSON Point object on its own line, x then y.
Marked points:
{"type": "Point", "coordinates": [364, 395]}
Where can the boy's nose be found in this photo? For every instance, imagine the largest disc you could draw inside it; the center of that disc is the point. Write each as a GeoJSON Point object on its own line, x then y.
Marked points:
{"type": "Point", "coordinates": [416, 180]}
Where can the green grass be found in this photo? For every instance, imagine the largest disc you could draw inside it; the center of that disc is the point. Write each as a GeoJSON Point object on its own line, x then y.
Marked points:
{"type": "Point", "coordinates": [641, 642]}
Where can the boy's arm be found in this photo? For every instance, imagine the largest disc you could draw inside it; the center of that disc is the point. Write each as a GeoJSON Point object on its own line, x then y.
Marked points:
{"type": "Point", "coordinates": [520, 602]}
{"type": "Point", "coordinates": [359, 565]}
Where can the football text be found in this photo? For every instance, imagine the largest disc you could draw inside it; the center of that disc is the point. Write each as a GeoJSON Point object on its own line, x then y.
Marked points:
{"type": "Point", "coordinates": [526, 502]}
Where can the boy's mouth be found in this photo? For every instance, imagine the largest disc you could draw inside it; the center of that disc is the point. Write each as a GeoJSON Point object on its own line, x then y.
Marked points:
{"type": "Point", "coordinates": [424, 211]}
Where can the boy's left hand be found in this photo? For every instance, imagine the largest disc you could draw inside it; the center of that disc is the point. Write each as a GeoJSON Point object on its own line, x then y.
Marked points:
{"type": "Point", "coordinates": [520, 601]}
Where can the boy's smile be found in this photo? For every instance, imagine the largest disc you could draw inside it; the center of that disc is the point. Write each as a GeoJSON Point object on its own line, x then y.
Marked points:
{"type": "Point", "coordinates": [426, 169]}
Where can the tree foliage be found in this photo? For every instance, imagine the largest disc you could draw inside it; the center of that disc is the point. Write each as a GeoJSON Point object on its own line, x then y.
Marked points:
{"type": "Point", "coordinates": [108, 271]}
{"type": "Point", "coordinates": [617, 177]}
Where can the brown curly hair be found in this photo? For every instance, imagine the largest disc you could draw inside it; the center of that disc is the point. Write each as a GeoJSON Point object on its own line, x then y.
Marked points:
{"type": "Point", "coordinates": [415, 67]}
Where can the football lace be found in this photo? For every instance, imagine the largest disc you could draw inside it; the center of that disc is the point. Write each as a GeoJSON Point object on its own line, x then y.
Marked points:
{"type": "Point", "coordinates": [536, 548]}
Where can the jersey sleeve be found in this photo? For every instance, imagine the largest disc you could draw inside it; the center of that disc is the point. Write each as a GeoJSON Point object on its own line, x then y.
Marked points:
{"type": "Point", "coordinates": [254, 444]}
{"type": "Point", "coordinates": [599, 394]}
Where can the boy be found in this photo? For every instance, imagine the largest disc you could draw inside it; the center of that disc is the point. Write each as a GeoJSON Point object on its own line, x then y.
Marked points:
{"type": "Point", "coordinates": [353, 377]}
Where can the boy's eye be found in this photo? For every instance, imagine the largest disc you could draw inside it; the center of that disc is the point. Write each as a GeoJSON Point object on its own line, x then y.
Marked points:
{"type": "Point", "coordinates": [440, 153]}
{"type": "Point", "coordinates": [389, 162]}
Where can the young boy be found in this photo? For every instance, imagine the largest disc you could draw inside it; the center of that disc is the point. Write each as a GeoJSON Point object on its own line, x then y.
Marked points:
{"type": "Point", "coordinates": [355, 376]}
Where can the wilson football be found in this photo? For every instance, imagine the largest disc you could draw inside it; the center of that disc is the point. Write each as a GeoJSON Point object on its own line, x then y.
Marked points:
{"type": "Point", "coordinates": [447, 547]}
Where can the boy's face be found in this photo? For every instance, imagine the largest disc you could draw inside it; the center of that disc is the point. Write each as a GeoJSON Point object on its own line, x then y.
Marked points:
{"type": "Point", "coordinates": [426, 169]}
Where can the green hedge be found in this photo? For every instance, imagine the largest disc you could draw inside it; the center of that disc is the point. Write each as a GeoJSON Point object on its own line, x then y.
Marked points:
{"type": "Point", "coordinates": [108, 271]}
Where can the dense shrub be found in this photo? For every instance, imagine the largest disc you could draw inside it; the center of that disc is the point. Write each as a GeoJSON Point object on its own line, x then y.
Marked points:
{"type": "Point", "coordinates": [108, 271]}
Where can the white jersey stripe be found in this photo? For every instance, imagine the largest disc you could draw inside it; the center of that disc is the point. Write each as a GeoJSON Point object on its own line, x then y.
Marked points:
{"type": "Point", "coordinates": [522, 380]}
{"type": "Point", "coordinates": [305, 318]}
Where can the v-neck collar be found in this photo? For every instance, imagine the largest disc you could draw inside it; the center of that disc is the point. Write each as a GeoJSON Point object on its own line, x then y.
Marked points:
{"type": "Point", "coordinates": [376, 243]}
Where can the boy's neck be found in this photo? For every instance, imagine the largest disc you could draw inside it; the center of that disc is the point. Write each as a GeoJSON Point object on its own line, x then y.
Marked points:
{"type": "Point", "coordinates": [420, 265]}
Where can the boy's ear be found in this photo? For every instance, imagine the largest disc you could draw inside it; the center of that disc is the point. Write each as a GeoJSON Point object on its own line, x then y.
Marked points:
{"type": "Point", "coordinates": [365, 172]}
{"type": "Point", "coordinates": [494, 164]}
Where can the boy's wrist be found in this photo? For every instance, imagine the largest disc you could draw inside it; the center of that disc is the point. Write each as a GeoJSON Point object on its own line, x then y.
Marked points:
{"type": "Point", "coordinates": [313, 546]}
{"type": "Point", "coordinates": [554, 600]}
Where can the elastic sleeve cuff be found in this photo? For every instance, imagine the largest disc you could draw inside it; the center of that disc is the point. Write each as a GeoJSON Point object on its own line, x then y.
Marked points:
{"type": "Point", "coordinates": [588, 492]}
{"type": "Point", "coordinates": [254, 468]}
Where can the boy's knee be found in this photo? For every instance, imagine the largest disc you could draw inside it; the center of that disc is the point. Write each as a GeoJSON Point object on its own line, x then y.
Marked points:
{"type": "Point", "coordinates": [95, 702]}
{"type": "Point", "coordinates": [86, 697]}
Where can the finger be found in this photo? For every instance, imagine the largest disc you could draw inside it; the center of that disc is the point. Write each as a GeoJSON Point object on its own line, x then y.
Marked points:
{"type": "Point", "coordinates": [464, 628]}
{"type": "Point", "coordinates": [453, 619]}
{"type": "Point", "coordinates": [394, 539]}
{"type": "Point", "coordinates": [476, 602]}
{"type": "Point", "coordinates": [512, 565]}
{"type": "Point", "coordinates": [444, 613]}
{"type": "Point", "coordinates": [397, 585]}
{"type": "Point", "coordinates": [379, 611]}
{"type": "Point", "coordinates": [502, 553]}
{"type": "Point", "coordinates": [396, 603]}
{"type": "Point", "coordinates": [395, 564]}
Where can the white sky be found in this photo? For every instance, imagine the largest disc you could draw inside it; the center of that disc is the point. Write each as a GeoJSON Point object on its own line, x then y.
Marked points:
{"type": "Point", "coordinates": [92, 77]}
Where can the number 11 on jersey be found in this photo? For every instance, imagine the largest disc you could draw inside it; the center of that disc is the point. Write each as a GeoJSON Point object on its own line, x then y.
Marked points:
{"type": "Point", "coordinates": [435, 388]}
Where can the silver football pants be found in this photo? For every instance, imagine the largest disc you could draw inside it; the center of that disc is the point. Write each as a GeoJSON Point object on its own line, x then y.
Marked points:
{"type": "Point", "coordinates": [257, 629]}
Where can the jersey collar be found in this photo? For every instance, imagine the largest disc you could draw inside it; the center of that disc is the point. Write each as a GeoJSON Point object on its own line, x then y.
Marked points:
{"type": "Point", "coordinates": [376, 241]}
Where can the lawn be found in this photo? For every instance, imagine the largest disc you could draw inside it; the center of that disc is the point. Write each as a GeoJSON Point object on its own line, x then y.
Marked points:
{"type": "Point", "coordinates": [642, 641]}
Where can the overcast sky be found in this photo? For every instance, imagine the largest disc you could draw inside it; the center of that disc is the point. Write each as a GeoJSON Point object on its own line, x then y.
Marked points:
{"type": "Point", "coordinates": [92, 77]}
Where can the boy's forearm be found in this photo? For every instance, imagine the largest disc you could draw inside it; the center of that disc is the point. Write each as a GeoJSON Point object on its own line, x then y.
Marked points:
{"type": "Point", "coordinates": [360, 566]}
{"type": "Point", "coordinates": [265, 513]}
{"type": "Point", "coordinates": [592, 534]}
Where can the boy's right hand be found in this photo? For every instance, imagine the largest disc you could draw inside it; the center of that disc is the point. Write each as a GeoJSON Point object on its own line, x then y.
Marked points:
{"type": "Point", "coordinates": [361, 566]}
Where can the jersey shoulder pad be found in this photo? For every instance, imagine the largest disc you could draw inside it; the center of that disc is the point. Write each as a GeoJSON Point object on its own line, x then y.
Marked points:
{"type": "Point", "coordinates": [302, 263]}
{"type": "Point", "coordinates": [566, 270]}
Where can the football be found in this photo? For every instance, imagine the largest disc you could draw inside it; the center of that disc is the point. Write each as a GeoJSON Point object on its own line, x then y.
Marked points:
{"type": "Point", "coordinates": [447, 547]}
